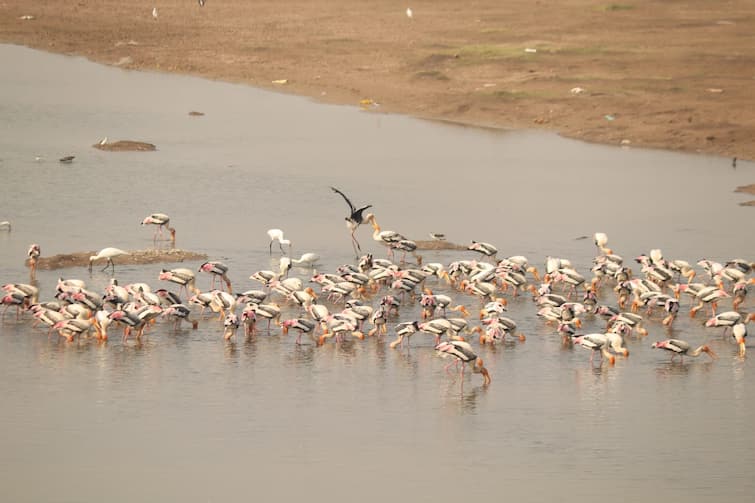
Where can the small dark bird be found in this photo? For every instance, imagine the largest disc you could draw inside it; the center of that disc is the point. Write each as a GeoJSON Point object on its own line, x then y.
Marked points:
{"type": "Point", "coordinates": [734, 163]}
{"type": "Point", "coordinates": [355, 219]}
{"type": "Point", "coordinates": [67, 159]}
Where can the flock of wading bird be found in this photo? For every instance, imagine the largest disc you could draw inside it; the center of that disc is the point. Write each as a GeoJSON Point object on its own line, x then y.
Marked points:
{"type": "Point", "coordinates": [367, 297]}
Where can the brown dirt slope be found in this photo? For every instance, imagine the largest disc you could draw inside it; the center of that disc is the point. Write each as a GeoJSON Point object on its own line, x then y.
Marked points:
{"type": "Point", "coordinates": [652, 73]}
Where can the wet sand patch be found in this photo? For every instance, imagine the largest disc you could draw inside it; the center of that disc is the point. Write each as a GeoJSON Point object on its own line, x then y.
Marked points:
{"type": "Point", "coordinates": [747, 189]}
{"type": "Point", "coordinates": [438, 245]}
{"type": "Point", "coordinates": [126, 146]}
{"type": "Point", "coordinates": [138, 257]}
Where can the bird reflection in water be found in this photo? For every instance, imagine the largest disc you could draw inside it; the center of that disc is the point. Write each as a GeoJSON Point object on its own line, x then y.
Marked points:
{"type": "Point", "coordinates": [347, 348]}
{"type": "Point", "coordinates": [465, 399]}
{"type": "Point", "coordinates": [302, 354]}
{"type": "Point", "coordinates": [250, 347]}
{"type": "Point", "coordinates": [231, 351]}
{"type": "Point", "coordinates": [669, 369]}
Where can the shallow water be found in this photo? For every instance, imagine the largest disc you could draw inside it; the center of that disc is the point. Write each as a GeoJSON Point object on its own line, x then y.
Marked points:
{"type": "Point", "coordinates": [188, 417]}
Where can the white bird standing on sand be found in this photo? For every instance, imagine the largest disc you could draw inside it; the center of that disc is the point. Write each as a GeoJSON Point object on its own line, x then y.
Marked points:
{"type": "Point", "coordinates": [409, 12]}
{"type": "Point", "coordinates": [277, 235]}
{"type": "Point", "coordinates": [154, 13]}
{"type": "Point", "coordinates": [5, 225]}
{"type": "Point", "coordinates": [108, 253]}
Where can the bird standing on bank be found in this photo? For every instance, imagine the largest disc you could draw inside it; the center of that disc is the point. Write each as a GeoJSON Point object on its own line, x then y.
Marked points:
{"type": "Point", "coordinates": [107, 253]}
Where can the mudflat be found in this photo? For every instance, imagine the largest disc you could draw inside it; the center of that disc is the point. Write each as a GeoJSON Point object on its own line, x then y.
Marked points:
{"type": "Point", "coordinates": [666, 74]}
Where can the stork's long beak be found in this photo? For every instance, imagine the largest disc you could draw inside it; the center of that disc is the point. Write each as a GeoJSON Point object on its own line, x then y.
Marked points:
{"type": "Point", "coordinates": [710, 352]}
{"type": "Point", "coordinates": [535, 274]}
{"type": "Point", "coordinates": [485, 375]}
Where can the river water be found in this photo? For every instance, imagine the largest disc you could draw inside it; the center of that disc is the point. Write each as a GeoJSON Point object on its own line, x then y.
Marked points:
{"type": "Point", "coordinates": [188, 417]}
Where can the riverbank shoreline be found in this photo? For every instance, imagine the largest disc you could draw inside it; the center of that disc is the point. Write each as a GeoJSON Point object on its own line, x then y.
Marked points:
{"type": "Point", "coordinates": [640, 74]}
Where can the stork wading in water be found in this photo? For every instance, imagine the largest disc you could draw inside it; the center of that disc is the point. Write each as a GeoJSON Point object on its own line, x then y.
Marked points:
{"type": "Point", "coordinates": [302, 325]}
{"type": "Point", "coordinates": [33, 253]}
{"type": "Point", "coordinates": [462, 352]}
{"type": "Point", "coordinates": [739, 332]}
{"type": "Point", "coordinates": [683, 348]}
{"type": "Point", "coordinates": [356, 218]}
{"type": "Point", "coordinates": [231, 324]}
{"type": "Point", "coordinates": [183, 277]}
{"type": "Point", "coordinates": [385, 238]}
{"type": "Point", "coordinates": [486, 249]}
{"type": "Point", "coordinates": [601, 240]}
{"type": "Point", "coordinates": [728, 319]}
{"type": "Point", "coordinates": [161, 220]}
{"type": "Point", "coordinates": [109, 254]}
{"type": "Point", "coordinates": [217, 270]}
{"type": "Point", "coordinates": [596, 342]}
